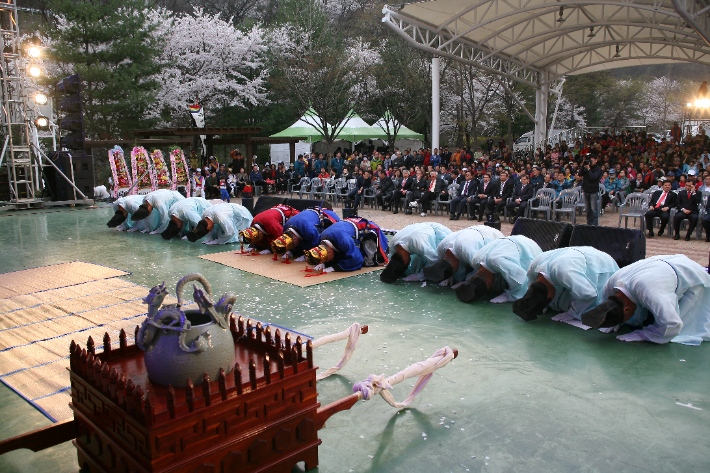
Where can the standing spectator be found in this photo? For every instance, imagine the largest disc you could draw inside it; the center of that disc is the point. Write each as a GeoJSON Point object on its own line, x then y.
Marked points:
{"type": "Point", "coordinates": [237, 160]}
{"type": "Point", "coordinates": [591, 176]}
{"type": "Point", "coordinates": [337, 164]}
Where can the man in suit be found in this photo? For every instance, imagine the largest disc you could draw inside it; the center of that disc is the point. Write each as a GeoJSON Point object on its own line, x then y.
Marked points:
{"type": "Point", "coordinates": [401, 190]}
{"type": "Point", "coordinates": [485, 191]}
{"type": "Point", "coordinates": [661, 204]}
{"type": "Point", "coordinates": [688, 202]}
{"type": "Point", "coordinates": [521, 196]}
{"type": "Point", "coordinates": [499, 199]}
{"type": "Point", "coordinates": [434, 188]}
{"type": "Point", "coordinates": [384, 191]}
{"type": "Point", "coordinates": [467, 191]}
{"type": "Point", "coordinates": [416, 189]}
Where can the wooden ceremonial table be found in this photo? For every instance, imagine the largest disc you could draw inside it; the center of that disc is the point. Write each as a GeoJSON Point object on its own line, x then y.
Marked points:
{"type": "Point", "coordinates": [264, 416]}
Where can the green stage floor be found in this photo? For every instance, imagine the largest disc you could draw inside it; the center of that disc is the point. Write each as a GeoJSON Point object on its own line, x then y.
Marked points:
{"type": "Point", "coordinates": [521, 397]}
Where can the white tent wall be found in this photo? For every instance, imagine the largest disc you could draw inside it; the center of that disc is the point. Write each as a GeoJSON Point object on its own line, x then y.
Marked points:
{"type": "Point", "coordinates": [281, 152]}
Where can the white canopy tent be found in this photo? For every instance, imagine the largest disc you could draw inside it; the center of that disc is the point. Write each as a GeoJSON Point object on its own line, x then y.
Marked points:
{"type": "Point", "coordinates": [538, 42]}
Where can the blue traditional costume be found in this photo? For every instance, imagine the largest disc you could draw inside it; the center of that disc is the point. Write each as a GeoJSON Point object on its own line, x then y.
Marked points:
{"type": "Point", "coordinates": [670, 291]}
{"type": "Point", "coordinates": [577, 276]}
{"type": "Point", "coordinates": [419, 242]}
{"type": "Point", "coordinates": [189, 212]}
{"type": "Point", "coordinates": [227, 220]}
{"type": "Point", "coordinates": [457, 249]}
{"type": "Point", "coordinates": [155, 210]}
{"type": "Point", "coordinates": [302, 232]}
{"type": "Point", "coordinates": [123, 222]}
{"type": "Point", "coordinates": [508, 260]}
{"type": "Point", "coordinates": [355, 242]}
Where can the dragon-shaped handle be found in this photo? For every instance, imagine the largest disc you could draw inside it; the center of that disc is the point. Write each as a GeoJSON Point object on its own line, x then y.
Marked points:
{"type": "Point", "coordinates": [189, 278]}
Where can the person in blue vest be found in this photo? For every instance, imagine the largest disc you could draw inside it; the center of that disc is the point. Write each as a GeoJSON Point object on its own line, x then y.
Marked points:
{"type": "Point", "coordinates": [348, 246]}
{"type": "Point", "coordinates": [124, 208]}
{"type": "Point", "coordinates": [155, 209]}
{"type": "Point", "coordinates": [302, 232]}
{"type": "Point", "coordinates": [184, 216]}
{"type": "Point", "coordinates": [666, 296]}
{"type": "Point", "coordinates": [570, 280]}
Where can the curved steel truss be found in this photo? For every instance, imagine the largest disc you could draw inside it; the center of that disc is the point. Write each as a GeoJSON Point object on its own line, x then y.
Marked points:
{"type": "Point", "coordinates": [521, 38]}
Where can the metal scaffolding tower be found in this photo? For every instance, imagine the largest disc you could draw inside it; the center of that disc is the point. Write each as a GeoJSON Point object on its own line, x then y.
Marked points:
{"type": "Point", "coordinates": [23, 167]}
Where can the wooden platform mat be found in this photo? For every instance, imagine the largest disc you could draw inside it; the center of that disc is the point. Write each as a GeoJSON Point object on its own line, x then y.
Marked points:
{"type": "Point", "coordinates": [293, 273]}
{"type": "Point", "coordinates": [52, 277]}
{"type": "Point", "coordinates": [59, 304]}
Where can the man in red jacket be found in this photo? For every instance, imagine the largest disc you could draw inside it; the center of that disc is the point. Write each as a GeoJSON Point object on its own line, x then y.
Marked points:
{"type": "Point", "coordinates": [266, 227]}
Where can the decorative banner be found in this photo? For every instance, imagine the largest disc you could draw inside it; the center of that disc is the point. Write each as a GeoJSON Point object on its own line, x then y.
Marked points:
{"type": "Point", "coordinates": [121, 179]}
{"type": "Point", "coordinates": [160, 169]}
{"type": "Point", "coordinates": [178, 165]}
{"type": "Point", "coordinates": [139, 165]}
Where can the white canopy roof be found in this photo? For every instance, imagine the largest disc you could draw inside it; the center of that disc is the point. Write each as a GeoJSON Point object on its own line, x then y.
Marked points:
{"type": "Point", "coordinates": [527, 39]}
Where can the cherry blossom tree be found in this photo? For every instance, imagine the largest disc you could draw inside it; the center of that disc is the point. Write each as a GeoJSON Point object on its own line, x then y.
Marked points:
{"type": "Point", "coordinates": [209, 61]}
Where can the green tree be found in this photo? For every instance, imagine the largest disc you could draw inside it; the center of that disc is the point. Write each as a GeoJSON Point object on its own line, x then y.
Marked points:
{"type": "Point", "coordinates": [588, 90]}
{"type": "Point", "coordinates": [111, 45]}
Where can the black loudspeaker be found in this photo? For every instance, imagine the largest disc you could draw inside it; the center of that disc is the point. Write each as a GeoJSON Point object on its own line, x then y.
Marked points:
{"type": "Point", "coordinates": [303, 204]}
{"type": "Point", "coordinates": [83, 172]}
{"type": "Point", "coordinates": [347, 212]}
{"type": "Point", "coordinates": [549, 235]}
{"type": "Point", "coordinates": [495, 224]}
{"type": "Point", "coordinates": [248, 202]}
{"type": "Point", "coordinates": [265, 202]}
{"type": "Point", "coordinates": [625, 245]}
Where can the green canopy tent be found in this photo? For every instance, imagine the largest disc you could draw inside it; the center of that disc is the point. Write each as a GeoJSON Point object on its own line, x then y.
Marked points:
{"type": "Point", "coordinates": [302, 128]}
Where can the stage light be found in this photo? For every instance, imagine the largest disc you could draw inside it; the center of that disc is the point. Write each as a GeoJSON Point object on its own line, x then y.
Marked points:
{"type": "Point", "coordinates": [41, 99]}
{"type": "Point", "coordinates": [702, 103]}
{"type": "Point", "coordinates": [33, 52]}
{"type": "Point", "coordinates": [35, 71]}
{"type": "Point", "coordinates": [42, 122]}
{"type": "Point", "coordinates": [689, 104]}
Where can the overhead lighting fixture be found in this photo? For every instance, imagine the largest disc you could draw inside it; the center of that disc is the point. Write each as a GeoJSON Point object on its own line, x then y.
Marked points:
{"type": "Point", "coordinates": [41, 99]}
{"type": "Point", "coordinates": [42, 122]}
{"type": "Point", "coordinates": [562, 11]}
{"type": "Point", "coordinates": [33, 52]}
{"type": "Point", "coordinates": [617, 55]}
{"type": "Point", "coordinates": [591, 32]}
{"type": "Point", "coordinates": [35, 71]}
